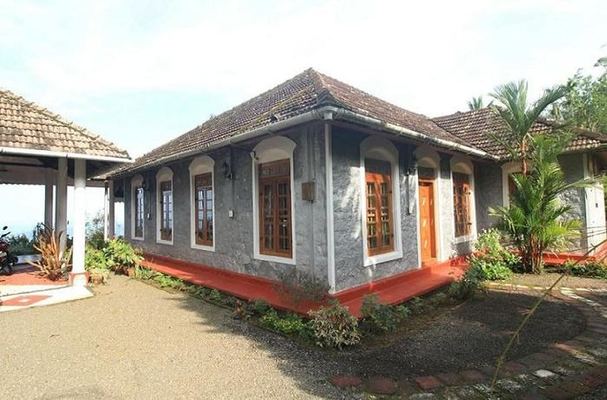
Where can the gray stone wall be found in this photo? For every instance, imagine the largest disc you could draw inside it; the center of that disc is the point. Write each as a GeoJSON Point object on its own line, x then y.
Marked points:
{"type": "Point", "coordinates": [488, 192]}
{"type": "Point", "coordinates": [573, 169]}
{"type": "Point", "coordinates": [234, 236]}
{"type": "Point", "coordinates": [349, 258]}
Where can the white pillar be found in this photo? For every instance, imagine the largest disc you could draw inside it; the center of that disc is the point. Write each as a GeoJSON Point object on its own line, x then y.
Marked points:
{"type": "Point", "coordinates": [61, 201]}
{"type": "Point", "coordinates": [48, 198]}
{"type": "Point", "coordinates": [111, 214]}
{"type": "Point", "coordinates": [78, 276]}
{"type": "Point", "coordinates": [108, 211]}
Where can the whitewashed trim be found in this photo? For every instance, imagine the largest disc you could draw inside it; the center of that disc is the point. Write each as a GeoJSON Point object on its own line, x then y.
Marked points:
{"type": "Point", "coordinates": [272, 149]}
{"type": "Point", "coordinates": [381, 149]}
{"type": "Point", "coordinates": [429, 158]}
{"type": "Point", "coordinates": [137, 181]}
{"type": "Point", "coordinates": [198, 166]}
{"type": "Point", "coordinates": [329, 207]}
{"type": "Point", "coordinates": [164, 174]}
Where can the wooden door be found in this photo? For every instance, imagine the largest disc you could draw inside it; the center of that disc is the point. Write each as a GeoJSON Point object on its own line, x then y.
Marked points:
{"type": "Point", "coordinates": [426, 220]}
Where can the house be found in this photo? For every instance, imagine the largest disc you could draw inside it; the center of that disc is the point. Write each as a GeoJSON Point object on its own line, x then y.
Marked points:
{"type": "Point", "coordinates": [39, 147]}
{"type": "Point", "coordinates": [322, 177]}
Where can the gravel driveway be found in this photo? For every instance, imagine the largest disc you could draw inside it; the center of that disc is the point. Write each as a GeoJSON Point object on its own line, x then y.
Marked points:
{"type": "Point", "coordinates": [135, 341]}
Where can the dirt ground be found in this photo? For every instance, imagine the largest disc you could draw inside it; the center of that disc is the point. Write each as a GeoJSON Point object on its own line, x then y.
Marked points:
{"type": "Point", "coordinates": [136, 341]}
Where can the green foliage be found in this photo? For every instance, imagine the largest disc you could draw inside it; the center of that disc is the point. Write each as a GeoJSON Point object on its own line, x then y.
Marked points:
{"type": "Point", "coordinates": [168, 282]}
{"type": "Point", "coordinates": [144, 273]}
{"type": "Point", "coordinates": [585, 104]}
{"type": "Point", "coordinates": [21, 245]}
{"type": "Point", "coordinates": [215, 296]}
{"type": "Point", "coordinates": [260, 307]}
{"type": "Point", "coordinates": [334, 326]}
{"type": "Point", "coordinates": [94, 231]}
{"type": "Point", "coordinates": [288, 324]}
{"type": "Point", "coordinates": [536, 219]}
{"type": "Point", "coordinates": [417, 305]}
{"type": "Point", "coordinates": [467, 285]}
{"type": "Point", "coordinates": [476, 103]}
{"type": "Point", "coordinates": [493, 261]}
{"type": "Point", "coordinates": [595, 269]}
{"type": "Point", "coordinates": [519, 117]}
{"type": "Point", "coordinates": [121, 255]}
{"type": "Point", "coordinates": [95, 259]}
{"type": "Point", "coordinates": [381, 317]}
{"type": "Point", "coordinates": [299, 286]}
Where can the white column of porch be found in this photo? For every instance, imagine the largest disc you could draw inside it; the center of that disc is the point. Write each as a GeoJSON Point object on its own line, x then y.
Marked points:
{"type": "Point", "coordinates": [109, 207]}
{"type": "Point", "coordinates": [78, 274]}
{"type": "Point", "coordinates": [48, 198]}
{"type": "Point", "coordinates": [61, 202]}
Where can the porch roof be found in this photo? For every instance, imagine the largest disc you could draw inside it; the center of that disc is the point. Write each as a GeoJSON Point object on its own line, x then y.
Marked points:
{"type": "Point", "coordinates": [27, 129]}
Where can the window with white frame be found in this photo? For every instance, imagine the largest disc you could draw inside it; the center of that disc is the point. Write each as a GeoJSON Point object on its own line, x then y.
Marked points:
{"type": "Point", "coordinates": [202, 199]}
{"type": "Point", "coordinates": [137, 207]}
{"type": "Point", "coordinates": [380, 200]}
{"type": "Point", "coordinates": [464, 212]}
{"type": "Point", "coordinates": [273, 201]}
{"type": "Point", "coordinates": [164, 207]}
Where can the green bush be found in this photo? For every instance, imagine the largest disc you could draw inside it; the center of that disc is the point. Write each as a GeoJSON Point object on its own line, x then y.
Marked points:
{"type": "Point", "coordinates": [380, 317]}
{"type": "Point", "coordinates": [95, 259]}
{"type": "Point", "coordinates": [417, 305]}
{"type": "Point", "coordinates": [300, 286]}
{"type": "Point", "coordinates": [588, 270]}
{"type": "Point", "coordinates": [121, 255]}
{"type": "Point", "coordinates": [167, 281]}
{"type": "Point", "coordinates": [334, 326]}
{"type": "Point", "coordinates": [289, 324]}
{"type": "Point", "coordinates": [467, 285]}
{"type": "Point", "coordinates": [21, 245]}
{"type": "Point", "coordinates": [144, 273]}
{"type": "Point", "coordinates": [260, 307]}
{"type": "Point", "coordinates": [493, 260]}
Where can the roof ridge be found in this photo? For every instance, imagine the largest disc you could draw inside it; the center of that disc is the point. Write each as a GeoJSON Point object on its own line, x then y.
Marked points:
{"type": "Point", "coordinates": [58, 118]}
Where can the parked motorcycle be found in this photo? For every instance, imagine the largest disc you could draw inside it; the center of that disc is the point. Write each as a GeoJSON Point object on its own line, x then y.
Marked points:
{"type": "Point", "coordinates": [7, 260]}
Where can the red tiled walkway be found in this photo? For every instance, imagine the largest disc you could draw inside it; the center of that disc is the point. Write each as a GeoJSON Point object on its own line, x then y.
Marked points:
{"type": "Point", "coordinates": [391, 290]}
{"type": "Point", "coordinates": [27, 275]}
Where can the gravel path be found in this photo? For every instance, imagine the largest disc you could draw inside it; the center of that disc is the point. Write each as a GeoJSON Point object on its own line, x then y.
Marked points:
{"type": "Point", "coordinates": [547, 279]}
{"type": "Point", "coordinates": [133, 341]}
{"type": "Point", "coordinates": [471, 336]}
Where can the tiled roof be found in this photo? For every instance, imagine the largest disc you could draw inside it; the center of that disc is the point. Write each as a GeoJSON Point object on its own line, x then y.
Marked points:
{"type": "Point", "coordinates": [27, 126]}
{"type": "Point", "coordinates": [479, 127]}
{"type": "Point", "coordinates": [302, 93]}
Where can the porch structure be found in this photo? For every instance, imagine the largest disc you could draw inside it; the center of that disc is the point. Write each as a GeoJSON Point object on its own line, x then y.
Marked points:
{"type": "Point", "coordinates": [38, 147]}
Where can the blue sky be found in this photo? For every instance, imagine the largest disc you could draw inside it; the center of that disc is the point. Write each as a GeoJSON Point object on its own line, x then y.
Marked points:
{"type": "Point", "coordinates": [142, 72]}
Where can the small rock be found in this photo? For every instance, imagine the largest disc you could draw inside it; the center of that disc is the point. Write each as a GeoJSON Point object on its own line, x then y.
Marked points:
{"type": "Point", "coordinates": [381, 385]}
{"type": "Point", "coordinates": [544, 373]}
{"type": "Point", "coordinates": [345, 381]}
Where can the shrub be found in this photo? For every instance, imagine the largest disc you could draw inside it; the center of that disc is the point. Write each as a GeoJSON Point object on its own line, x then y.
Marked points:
{"type": "Point", "coordinates": [99, 275]}
{"type": "Point", "coordinates": [144, 273]}
{"type": "Point", "coordinates": [334, 326]}
{"type": "Point", "coordinates": [587, 270]}
{"type": "Point", "coordinates": [95, 259]}
{"type": "Point", "coordinates": [299, 286]}
{"type": "Point", "coordinates": [380, 317]}
{"type": "Point", "coordinates": [94, 231]}
{"type": "Point", "coordinates": [53, 263]}
{"type": "Point", "coordinates": [121, 255]}
{"type": "Point", "coordinates": [466, 286]}
{"type": "Point", "coordinates": [260, 307]}
{"type": "Point", "coordinates": [167, 281]}
{"type": "Point", "coordinates": [289, 324]}
{"type": "Point", "coordinates": [489, 270]}
{"type": "Point", "coordinates": [417, 305]}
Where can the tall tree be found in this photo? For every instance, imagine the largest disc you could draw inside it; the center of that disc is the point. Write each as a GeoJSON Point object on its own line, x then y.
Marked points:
{"type": "Point", "coordinates": [476, 103]}
{"type": "Point", "coordinates": [536, 219]}
{"type": "Point", "coordinates": [520, 117]}
{"type": "Point", "coordinates": [585, 104]}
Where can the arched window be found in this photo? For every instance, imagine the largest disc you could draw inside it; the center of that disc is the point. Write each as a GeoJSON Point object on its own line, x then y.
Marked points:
{"type": "Point", "coordinates": [273, 200]}
{"type": "Point", "coordinates": [202, 200]}
{"type": "Point", "coordinates": [380, 200]}
{"type": "Point", "coordinates": [164, 206]}
{"type": "Point", "coordinates": [137, 208]}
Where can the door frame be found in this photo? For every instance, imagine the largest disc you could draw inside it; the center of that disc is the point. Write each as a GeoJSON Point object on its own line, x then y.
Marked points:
{"type": "Point", "coordinates": [431, 181]}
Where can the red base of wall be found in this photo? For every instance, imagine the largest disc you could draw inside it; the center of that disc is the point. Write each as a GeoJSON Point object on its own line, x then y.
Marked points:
{"type": "Point", "coordinates": [391, 290]}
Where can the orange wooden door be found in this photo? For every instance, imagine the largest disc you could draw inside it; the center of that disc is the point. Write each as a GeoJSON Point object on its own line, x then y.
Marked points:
{"type": "Point", "coordinates": [426, 220]}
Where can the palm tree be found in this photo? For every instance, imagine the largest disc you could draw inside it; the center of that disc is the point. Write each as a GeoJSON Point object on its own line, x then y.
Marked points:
{"type": "Point", "coordinates": [476, 103]}
{"type": "Point", "coordinates": [536, 219]}
{"type": "Point", "coordinates": [520, 117]}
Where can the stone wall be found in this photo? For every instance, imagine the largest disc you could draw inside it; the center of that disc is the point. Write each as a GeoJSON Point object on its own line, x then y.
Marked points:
{"type": "Point", "coordinates": [234, 236]}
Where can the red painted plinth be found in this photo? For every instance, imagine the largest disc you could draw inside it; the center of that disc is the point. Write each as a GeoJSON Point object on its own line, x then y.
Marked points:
{"type": "Point", "coordinates": [392, 290]}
